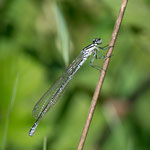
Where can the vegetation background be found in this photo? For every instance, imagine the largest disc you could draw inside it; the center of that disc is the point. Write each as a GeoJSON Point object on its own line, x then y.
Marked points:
{"type": "Point", "coordinates": [38, 39]}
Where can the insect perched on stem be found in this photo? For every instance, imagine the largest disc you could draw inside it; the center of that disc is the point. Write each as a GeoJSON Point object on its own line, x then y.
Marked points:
{"type": "Point", "coordinates": [51, 96]}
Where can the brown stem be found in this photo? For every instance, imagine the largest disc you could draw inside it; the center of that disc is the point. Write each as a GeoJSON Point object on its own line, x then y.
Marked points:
{"type": "Point", "coordinates": [102, 75]}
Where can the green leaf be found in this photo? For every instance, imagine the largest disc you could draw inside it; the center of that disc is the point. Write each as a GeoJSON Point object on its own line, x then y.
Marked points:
{"type": "Point", "coordinates": [62, 33]}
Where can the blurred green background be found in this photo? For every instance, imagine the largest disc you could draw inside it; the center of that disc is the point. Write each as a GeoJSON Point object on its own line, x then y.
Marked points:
{"type": "Point", "coordinates": [38, 39]}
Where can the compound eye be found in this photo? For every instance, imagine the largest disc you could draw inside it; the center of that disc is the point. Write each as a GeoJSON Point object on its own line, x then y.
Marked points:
{"type": "Point", "coordinates": [99, 41]}
{"type": "Point", "coordinates": [94, 41]}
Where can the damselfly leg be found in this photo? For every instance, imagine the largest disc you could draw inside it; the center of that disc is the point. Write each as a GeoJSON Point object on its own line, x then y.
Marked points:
{"type": "Point", "coordinates": [97, 50]}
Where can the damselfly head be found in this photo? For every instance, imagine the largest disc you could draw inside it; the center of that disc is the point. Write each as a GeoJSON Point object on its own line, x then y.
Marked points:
{"type": "Point", "coordinates": [97, 41]}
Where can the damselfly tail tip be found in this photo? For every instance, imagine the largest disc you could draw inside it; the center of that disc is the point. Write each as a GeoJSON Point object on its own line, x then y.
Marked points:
{"type": "Point", "coordinates": [32, 130]}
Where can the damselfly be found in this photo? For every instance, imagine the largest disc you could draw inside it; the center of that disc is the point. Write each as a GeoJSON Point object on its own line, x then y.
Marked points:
{"type": "Point", "coordinates": [49, 99]}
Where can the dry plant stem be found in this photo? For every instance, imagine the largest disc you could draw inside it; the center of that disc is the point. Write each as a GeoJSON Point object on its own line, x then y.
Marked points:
{"type": "Point", "coordinates": [102, 75]}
